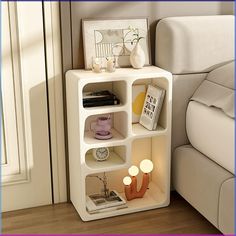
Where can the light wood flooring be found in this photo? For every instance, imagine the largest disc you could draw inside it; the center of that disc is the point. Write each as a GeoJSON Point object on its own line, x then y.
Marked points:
{"type": "Point", "coordinates": [178, 218]}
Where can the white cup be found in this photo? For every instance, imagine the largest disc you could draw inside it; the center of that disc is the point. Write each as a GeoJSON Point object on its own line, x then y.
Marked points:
{"type": "Point", "coordinates": [111, 64]}
{"type": "Point", "coordinates": [96, 65]}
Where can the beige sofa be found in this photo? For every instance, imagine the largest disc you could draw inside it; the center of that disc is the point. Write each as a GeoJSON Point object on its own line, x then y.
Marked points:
{"type": "Point", "coordinates": [199, 52]}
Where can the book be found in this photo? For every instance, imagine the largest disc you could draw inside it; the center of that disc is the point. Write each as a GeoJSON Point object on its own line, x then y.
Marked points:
{"type": "Point", "coordinates": [138, 97]}
{"type": "Point", "coordinates": [152, 107]}
{"type": "Point", "coordinates": [99, 98]}
{"type": "Point", "coordinates": [101, 103]}
{"type": "Point", "coordinates": [98, 203]}
{"type": "Point", "coordinates": [108, 209]}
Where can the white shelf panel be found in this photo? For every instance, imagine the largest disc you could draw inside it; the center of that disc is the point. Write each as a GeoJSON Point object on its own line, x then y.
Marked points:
{"type": "Point", "coordinates": [87, 76]}
{"type": "Point", "coordinates": [112, 162]}
{"type": "Point", "coordinates": [139, 131]}
{"type": "Point", "coordinates": [89, 138]}
{"type": "Point", "coordinates": [103, 109]}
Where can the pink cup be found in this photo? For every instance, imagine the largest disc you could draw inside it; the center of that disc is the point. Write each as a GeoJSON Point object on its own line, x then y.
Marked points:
{"type": "Point", "coordinates": [102, 127]}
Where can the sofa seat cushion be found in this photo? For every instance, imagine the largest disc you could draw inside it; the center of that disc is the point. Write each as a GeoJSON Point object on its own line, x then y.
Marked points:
{"type": "Point", "coordinates": [211, 132]}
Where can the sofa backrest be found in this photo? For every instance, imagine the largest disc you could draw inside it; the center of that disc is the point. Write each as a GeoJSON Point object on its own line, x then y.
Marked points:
{"type": "Point", "coordinates": [190, 47]}
{"type": "Point", "coordinates": [194, 44]}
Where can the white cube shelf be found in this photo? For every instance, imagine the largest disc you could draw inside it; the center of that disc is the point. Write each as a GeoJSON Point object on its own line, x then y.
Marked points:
{"type": "Point", "coordinates": [130, 143]}
{"type": "Point", "coordinates": [116, 160]}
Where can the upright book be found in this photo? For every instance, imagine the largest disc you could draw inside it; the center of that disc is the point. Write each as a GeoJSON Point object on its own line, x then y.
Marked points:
{"type": "Point", "coordinates": [152, 107]}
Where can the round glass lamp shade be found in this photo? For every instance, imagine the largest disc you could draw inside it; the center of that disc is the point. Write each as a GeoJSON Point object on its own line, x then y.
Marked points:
{"type": "Point", "coordinates": [133, 170]}
{"type": "Point", "coordinates": [146, 166]}
{"type": "Point", "coordinates": [127, 180]}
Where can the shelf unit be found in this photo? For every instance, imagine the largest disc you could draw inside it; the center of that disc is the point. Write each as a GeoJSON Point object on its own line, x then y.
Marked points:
{"type": "Point", "coordinates": [130, 144]}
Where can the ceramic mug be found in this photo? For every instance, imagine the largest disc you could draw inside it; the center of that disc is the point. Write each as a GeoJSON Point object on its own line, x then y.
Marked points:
{"type": "Point", "coordinates": [102, 127]}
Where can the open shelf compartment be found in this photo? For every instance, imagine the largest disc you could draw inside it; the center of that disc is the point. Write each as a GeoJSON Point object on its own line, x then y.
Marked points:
{"type": "Point", "coordinates": [116, 158]}
{"type": "Point", "coordinates": [141, 85]}
{"type": "Point", "coordinates": [119, 128]}
{"type": "Point", "coordinates": [157, 194]}
{"type": "Point", "coordinates": [118, 88]}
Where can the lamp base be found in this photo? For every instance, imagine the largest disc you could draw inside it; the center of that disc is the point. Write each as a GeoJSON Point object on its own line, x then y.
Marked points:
{"type": "Point", "coordinates": [131, 190]}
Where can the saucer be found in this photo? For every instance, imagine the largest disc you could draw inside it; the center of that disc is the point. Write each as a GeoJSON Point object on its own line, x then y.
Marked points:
{"type": "Point", "coordinates": [102, 136]}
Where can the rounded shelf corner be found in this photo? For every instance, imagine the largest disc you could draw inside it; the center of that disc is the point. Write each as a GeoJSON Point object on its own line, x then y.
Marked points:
{"type": "Point", "coordinates": [139, 131]}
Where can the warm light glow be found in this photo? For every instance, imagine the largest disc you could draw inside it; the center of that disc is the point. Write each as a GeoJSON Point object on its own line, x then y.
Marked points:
{"type": "Point", "coordinates": [133, 170]}
{"type": "Point", "coordinates": [146, 166]}
{"type": "Point", "coordinates": [127, 180]}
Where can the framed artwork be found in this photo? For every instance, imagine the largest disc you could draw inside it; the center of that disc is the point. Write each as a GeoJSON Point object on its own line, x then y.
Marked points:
{"type": "Point", "coordinates": [114, 38]}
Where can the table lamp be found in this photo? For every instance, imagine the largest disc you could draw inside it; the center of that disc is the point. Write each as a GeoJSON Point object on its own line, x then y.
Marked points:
{"type": "Point", "coordinates": [131, 192]}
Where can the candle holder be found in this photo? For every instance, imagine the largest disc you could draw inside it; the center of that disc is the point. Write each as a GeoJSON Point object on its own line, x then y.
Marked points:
{"type": "Point", "coordinates": [130, 183]}
{"type": "Point", "coordinates": [111, 64]}
{"type": "Point", "coordinates": [96, 65]}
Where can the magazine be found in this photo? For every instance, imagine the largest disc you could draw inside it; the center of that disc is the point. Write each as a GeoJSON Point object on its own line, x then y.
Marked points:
{"type": "Point", "coordinates": [98, 203]}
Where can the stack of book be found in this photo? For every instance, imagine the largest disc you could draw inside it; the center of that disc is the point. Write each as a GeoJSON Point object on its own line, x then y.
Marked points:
{"type": "Point", "coordinates": [99, 98]}
{"type": "Point", "coordinates": [97, 203]}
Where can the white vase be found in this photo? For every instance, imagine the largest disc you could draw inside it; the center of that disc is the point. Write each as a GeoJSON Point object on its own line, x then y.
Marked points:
{"type": "Point", "coordinates": [137, 57]}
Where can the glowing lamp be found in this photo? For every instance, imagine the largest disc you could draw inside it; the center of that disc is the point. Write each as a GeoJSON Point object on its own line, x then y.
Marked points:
{"type": "Point", "coordinates": [133, 170]}
{"type": "Point", "coordinates": [127, 180]}
{"type": "Point", "coordinates": [146, 166]}
{"type": "Point", "coordinates": [131, 191]}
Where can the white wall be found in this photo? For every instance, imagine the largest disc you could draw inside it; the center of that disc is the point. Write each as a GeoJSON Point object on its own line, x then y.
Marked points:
{"type": "Point", "coordinates": [153, 10]}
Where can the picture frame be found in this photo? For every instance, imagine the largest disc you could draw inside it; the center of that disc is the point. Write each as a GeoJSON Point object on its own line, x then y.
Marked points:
{"type": "Point", "coordinates": [104, 38]}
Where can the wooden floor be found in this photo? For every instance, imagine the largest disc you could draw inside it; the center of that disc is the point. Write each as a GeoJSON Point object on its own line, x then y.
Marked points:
{"type": "Point", "coordinates": [178, 218]}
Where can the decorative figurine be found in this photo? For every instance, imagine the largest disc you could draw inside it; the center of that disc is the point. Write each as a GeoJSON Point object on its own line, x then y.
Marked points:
{"type": "Point", "coordinates": [106, 200]}
{"type": "Point", "coordinates": [96, 65]}
{"type": "Point", "coordinates": [111, 64]}
{"type": "Point", "coordinates": [131, 192]}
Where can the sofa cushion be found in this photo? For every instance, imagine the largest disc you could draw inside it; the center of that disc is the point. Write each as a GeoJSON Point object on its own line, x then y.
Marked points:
{"type": "Point", "coordinates": [218, 89]}
{"type": "Point", "coordinates": [223, 75]}
{"type": "Point", "coordinates": [212, 133]}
